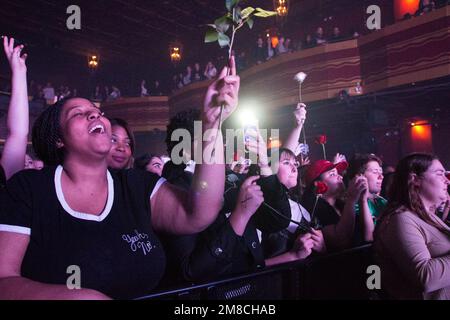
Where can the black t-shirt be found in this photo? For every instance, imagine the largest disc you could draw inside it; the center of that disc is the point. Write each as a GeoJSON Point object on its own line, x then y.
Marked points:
{"type": "Point", "coordinates": [117, 252]}
{"type": "Point", "coordinates": [326, 214]}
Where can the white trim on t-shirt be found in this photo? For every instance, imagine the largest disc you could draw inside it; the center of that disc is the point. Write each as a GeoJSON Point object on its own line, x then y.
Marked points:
{"type": "Point", "coordinates": [298, 213]}
{"type": "Point", "coordinates": [81, 215]}
{"type": "Point", "coordinates": [15, 229]}
{"type": "Point", "coordinates": [158, 185]}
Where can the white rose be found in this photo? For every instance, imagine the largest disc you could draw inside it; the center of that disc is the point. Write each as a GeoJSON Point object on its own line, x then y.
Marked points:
{"type": "Point", "coordinates": [300, 77]}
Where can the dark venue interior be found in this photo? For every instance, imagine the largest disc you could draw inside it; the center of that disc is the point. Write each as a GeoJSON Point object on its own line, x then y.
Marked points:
{"type": "Point", "coordinates": [375, 83]}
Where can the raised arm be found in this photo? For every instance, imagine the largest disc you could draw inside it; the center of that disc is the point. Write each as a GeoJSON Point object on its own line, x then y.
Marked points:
{"type": "Point", "coordinates": [365, 216]}
{"type": "Point", "coordinates": [258, 146]}
{"type": "Point", "coordinates": [292, 141]}
{"type": "Point", "coordinates": [339, 236]}
{"type": "Point", "coordinates": [178, 212]}
{"type": "Point", "coordinates": [203, 263]}
{"type": "Point", "coordinates": [13, 157]}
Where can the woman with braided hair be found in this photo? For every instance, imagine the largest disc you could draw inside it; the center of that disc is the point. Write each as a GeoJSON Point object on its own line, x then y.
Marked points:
{"type": "Point", "coordinates": [13, 158]}
{"type": "Point", "coordinates": [77, 216]}
{"type": "Point", "coordinates": [412, 243]}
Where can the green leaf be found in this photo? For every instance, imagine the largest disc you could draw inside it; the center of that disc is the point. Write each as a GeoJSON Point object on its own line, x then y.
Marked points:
{"type": "Point", "coordinates": [223, 24]}
{"type": "Point", "coordinates": [237, 17]}
{"type": "Point", "coordinates": [230, 4]}
{"type": "Point", "coordinates": [211, 36]}
{"type": "Point", "coordinates": [264, 13]}
{"type": "Point", "coordinates": [247, 12]}
{"type": "Point", "coordinates": [250, 22]}
{"type": "Point", "coordinates": [224, 40]}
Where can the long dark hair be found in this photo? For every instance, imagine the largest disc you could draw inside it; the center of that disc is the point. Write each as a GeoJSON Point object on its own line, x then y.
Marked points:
{"type": "Point", "coordinates": [404, 194]}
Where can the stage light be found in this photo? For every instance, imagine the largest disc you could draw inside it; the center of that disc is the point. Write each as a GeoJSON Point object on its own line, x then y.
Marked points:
{"type": "Point", "coordinates": [247, 117]}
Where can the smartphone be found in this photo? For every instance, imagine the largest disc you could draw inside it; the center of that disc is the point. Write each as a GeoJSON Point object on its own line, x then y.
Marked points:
{"type": "Point", "coordinates": [250, 133]}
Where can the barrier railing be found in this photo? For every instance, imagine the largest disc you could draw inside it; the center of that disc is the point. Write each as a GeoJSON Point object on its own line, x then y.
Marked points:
{"type": "Point", "coordinates": [335, 276]}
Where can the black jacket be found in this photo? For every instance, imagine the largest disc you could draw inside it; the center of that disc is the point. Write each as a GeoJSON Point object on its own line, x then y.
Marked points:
{"type": "Point", "coordinates": [215, 252]}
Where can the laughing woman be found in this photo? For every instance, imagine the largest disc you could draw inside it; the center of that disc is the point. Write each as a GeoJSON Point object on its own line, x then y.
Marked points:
{"type": "Point", "coordinates": [77, 215]}
{"type": "Point", "coordinates": [412, 243]}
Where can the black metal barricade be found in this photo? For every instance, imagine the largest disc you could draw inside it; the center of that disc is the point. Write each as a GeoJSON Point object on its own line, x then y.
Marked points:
{"type": "Point", "coordinates": [341, 275]}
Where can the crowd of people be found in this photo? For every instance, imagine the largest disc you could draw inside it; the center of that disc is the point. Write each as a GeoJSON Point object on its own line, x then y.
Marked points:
{"type": "Point", "coordinates": [48, 94]}
{"type": "Point", "coordinates": [264, 50]}
{"type": "Point", "coordinates": [134, 225]}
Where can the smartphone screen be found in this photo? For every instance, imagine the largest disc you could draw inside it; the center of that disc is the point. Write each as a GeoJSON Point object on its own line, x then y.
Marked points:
{"type": "Point", "coordinates": [250, 134]}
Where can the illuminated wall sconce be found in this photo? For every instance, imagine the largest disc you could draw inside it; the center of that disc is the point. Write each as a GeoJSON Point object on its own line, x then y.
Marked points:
{"type": "Point", "coordinates": [175, 52]}
{"type": "Point", "coordinates": [93, 61]}
{"type": "Point", "coordinates": [281, 7]}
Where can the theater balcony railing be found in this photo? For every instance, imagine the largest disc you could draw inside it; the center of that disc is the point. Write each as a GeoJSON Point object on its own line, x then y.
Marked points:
{"type": "Point", "coordinates": [403, 53]}
{"type": "Point", "coordinates": [406, 52]}
{"type": "Point", "coordinates": [143, 113]}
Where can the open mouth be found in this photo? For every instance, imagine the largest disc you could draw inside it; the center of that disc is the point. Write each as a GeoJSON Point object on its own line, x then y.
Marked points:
{"type": "Point", "coordinates": [98, 129]}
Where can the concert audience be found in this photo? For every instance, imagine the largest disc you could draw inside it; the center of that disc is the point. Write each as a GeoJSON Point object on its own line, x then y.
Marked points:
{"type": "Point", "coordinates": [103, 221]}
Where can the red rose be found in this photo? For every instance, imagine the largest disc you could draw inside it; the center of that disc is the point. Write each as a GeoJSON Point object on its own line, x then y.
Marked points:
{"type": "Point", "coordinates": [321, 139]}
{"type": "Point", "coordinates": [320, 187]}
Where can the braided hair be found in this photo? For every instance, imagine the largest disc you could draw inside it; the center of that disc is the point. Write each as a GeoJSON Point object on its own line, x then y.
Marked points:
{"type": "Point", "coordinates": [47, 132]}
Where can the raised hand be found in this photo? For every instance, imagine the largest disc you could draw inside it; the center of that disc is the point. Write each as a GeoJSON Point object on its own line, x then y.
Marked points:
{"type": "Point", "coordinates": [223, 91]}
{"type": "Point", "coordinates": [356, 188]}
{"type": "Point", "coordinates": [259, 147]}
{"type": "Point", "coordinates": [303, 246]}
{"type": "Point", "coordinates": [14, 55]}
{"type": "Point", "coordinates": [250, 197]}
{"type": "Point", "coordinates": [300, 114]}
{"type": "Point", "coordinates": [304, 161]}
{"type": "Point", "coordinates": [339, 158]}
{"type": "Point", "coordinates": [366, 193]}
{"type": "Point", "coordinates": [318, 241]}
